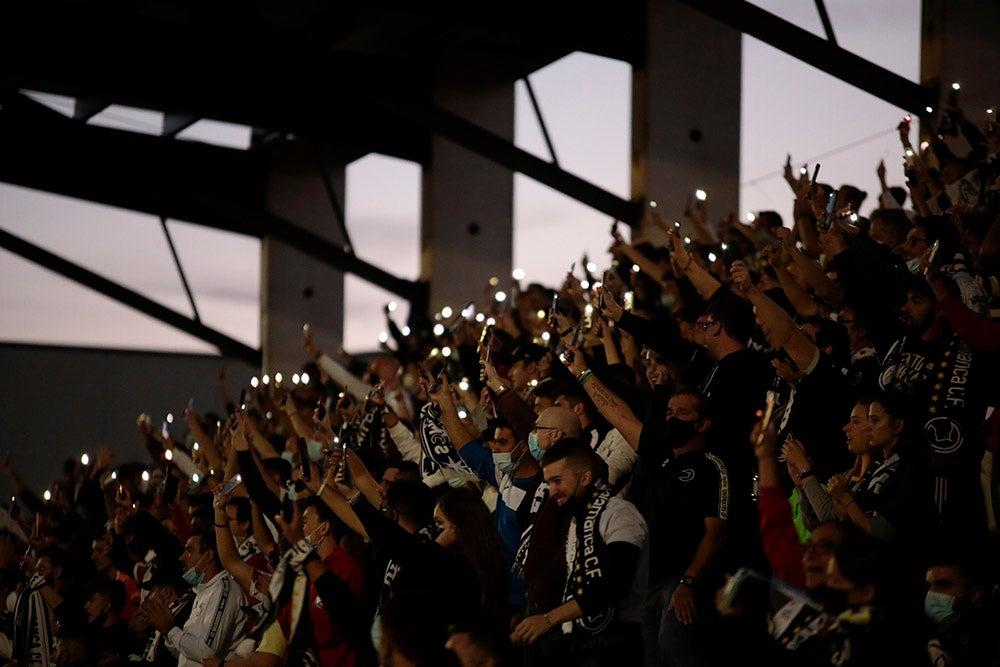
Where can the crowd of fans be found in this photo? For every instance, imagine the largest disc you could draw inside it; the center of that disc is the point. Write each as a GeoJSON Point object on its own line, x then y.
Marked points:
{"type": "Point", "coordinates": [770, 438]}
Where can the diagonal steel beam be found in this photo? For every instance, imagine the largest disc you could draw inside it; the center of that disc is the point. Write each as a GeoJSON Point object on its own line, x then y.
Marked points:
{"type": "Point", "coordinates": [229, 347]}
{"type": "Point", "coordinates": [501, 151]}
{"type": "Point", "coordinates": [820, 53]}
{"type": "Point", "coordinates": [207, 185]}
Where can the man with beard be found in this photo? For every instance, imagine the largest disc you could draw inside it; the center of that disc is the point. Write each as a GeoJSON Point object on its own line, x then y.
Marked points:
{"type": "Point", "coordinates": [596, 620]}
{"type": "Point", "coordinates": [944, 380]}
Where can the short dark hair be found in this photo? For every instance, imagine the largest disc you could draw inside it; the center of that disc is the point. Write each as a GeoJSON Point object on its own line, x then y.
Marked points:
{"type": "Point", "coordinates": [243, 508]}
{"type": "Point", "coordinates": [578, 453]}
{"type": "Point", "coordinates": [114, 590]}
{"type": "Point", "coordinates": [407, 469]}
{"type": "Point", "coordinates": [206, 542]}
{"type": "Point", "coordinates": [411, 499]}
{"type": "Point", "coordinates": [735, 315]}
{"type": "Point", "coordinates": [576, 394]}
{"type": "Point", "coordinates": [702, 405]}
{"type": "Point", "coordinates": [894, 218]}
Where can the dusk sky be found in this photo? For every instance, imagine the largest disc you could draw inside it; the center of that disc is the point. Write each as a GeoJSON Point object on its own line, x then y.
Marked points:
{"type": "Point", "coordinates": [586, 104]}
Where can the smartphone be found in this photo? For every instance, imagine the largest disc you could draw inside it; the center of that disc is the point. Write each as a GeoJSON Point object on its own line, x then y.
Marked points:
{"type": "Point", "coordinates": [342, 468]}
{"type": "Point", "coordinates": [552, 313]}
{"type": "Point", "coordinates": [934, 251]}
{"type": "Point", "coordinates": [629, 299]}
{"type": "Point", "coordinates": [229, 486]}
{"type": "Point", "coordinates": [243, 404]}
{"type": "Point", "coordinates": [321, 410]}
{"type": "Point", "coordinates": [304, 459]}
{"type": "Point", "coordinates": [831, 205]}
{"type": "Point", "coordinates": [165, 430]}
{"type": "Point", "coordinates": [815, 175]}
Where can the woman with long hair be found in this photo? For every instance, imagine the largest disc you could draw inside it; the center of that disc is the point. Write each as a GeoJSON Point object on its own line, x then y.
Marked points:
{"type": "Point", "coordinates": [816, 505]}
{"type": "Point", "coordinates": [467, 528]}
{"type": "Point", "coordinates": [895, 504]}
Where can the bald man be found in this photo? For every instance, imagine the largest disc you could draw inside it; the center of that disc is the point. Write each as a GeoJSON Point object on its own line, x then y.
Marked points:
{"type": "Point", "coordinates": [552, 425]}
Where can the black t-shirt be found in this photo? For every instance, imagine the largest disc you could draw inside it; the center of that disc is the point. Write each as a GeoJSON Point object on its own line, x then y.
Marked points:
{"type": "Point", "coordinates": [736, 389]}
{"type": "Point", "coordinates": [817, 408]}
{"type": "Point", "coordinates": [682, 492]}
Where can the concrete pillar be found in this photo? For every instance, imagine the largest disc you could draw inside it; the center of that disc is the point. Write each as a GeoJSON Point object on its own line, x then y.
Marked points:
{"type": "Point", "coordinates": [959, 43]}
{"type": "Point", "coordinates": [468, 201]}
{"type": "Point", "coordinates": [296, 288]}
{"type": "Point", "coordinates": [686, 111]}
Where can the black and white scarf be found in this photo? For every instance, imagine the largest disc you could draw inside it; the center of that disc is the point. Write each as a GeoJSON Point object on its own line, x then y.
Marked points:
{"type": "Point", "coordinates": [584, 546]}
{"type": "Point", "coordinates": [31, 623]}
{"type": "Point", "coordinates": [438, 453]}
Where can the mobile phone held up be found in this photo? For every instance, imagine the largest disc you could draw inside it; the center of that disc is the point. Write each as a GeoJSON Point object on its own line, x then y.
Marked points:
{"type": "Point", "coordinates": [831, 205]}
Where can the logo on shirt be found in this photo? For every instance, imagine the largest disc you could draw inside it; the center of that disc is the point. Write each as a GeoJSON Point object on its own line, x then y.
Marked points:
{"type": "Point", "coordinates": [686, 475]}
{"type": "Point", "coordinates": [944, 435]}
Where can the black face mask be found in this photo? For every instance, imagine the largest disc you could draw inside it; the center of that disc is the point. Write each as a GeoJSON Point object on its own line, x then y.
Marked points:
{"type": "Point", "coordinates": [680, 432]}
{"type": "Point", "coordinates": [834, 600]}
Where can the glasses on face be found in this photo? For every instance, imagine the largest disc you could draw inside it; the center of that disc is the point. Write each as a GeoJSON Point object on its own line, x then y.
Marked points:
{"type": "Point", "coordinates": [914, 240]}
{"type": "Point", "coordinates": [539, 427]}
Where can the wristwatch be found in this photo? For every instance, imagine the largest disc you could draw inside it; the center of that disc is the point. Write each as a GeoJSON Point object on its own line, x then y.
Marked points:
{"type": "Point", "coordinates": [688, 580]}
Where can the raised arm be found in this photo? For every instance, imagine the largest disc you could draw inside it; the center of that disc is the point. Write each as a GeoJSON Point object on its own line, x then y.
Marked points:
{"type": "Point", "coordinates": [703, 281]}
{"type": "Point", "coordinates": [609, 404]}
{"type": "Point", "coordinates": [778, 325]}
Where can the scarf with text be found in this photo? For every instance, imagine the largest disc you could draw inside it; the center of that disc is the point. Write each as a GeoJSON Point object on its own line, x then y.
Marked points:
{"type": "Point", "coordinates": [31, 624]}
{"type": "Point", "coordinates": [438, 453]}
{"type": "Point", "coordinates": [583, 559]}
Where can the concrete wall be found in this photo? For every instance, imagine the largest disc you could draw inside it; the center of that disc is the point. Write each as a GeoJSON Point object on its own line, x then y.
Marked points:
{"type": "Point", "coordinates": [57, 402]}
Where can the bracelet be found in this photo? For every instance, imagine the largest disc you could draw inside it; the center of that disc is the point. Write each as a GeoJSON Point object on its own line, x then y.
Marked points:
{"type": "Point", "coordinates": [321, 488]}
{"type": "Point", "coordinates": [547, 619]}
{"type": "Point", "coordinates": [222, 525]}
{"type": "Point", "coordinates": [354, 498]}
{"type": "Point", "coordinates": [849, 504]}
{"type": "Point", "coordinates": [585, 376]}
{"type": "Point", "coordinates": [806, 473]}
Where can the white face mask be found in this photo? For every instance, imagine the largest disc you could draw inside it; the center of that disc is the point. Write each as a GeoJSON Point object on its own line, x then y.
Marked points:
{"type": "Point", "coordinates": [913, 265]}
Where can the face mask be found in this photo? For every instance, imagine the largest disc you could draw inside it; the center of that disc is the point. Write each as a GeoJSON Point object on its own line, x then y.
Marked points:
{"type": "Point", "coordinates": [534, 447]}
{"type": "Point", "coordinates": [939, 607]}
{"type": "Point", "coordinates": [668, 300]}
{"type": "Point", "coordinates": [315, 450]}
{"type": "Point", "coordinates": [913, 265]}
{"type": "Point", "coordinates": [376, 632]}
{"type": "Point", "coordinates": [504, 463]}
{"type": "Point", "coordinates": [680, 432]}
{"type": "Point", "coordinates": [312, 538]}
{"type": "Point", "coordinates": [192, 575]}
{"type": "Point", "coordinates": [288, 457]}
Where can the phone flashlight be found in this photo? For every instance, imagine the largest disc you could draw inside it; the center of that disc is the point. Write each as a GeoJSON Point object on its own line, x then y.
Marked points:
{"type": "Point", "coordinates": [700, 195]}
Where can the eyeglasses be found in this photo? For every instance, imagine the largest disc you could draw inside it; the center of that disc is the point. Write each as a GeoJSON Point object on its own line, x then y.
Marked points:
{"type": "Point", "coordinates": [539, 427]}
{"type": "Point", "coordinates": [913, 240]}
